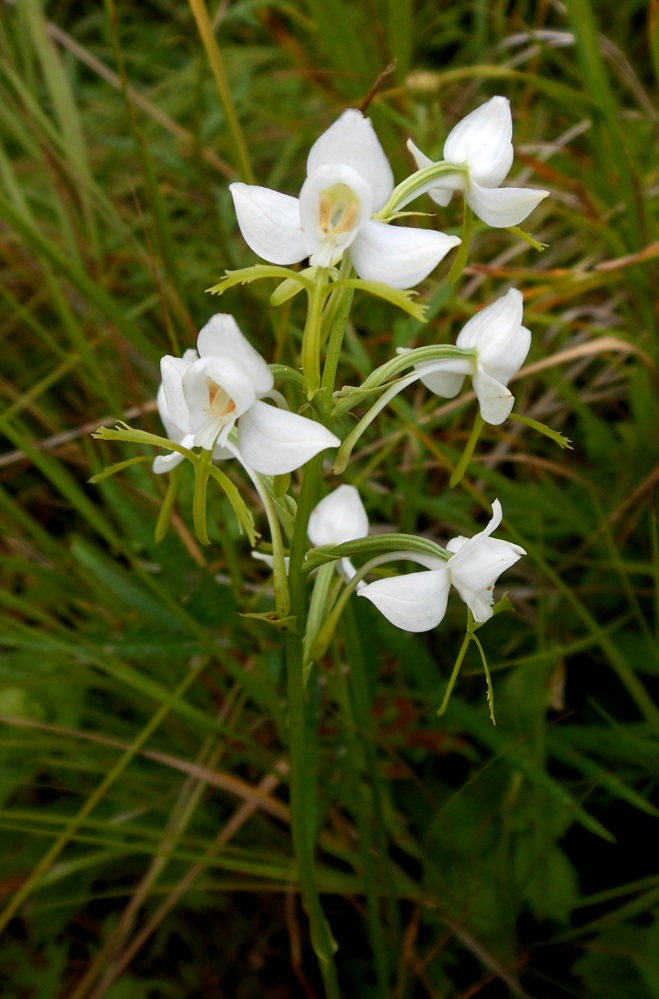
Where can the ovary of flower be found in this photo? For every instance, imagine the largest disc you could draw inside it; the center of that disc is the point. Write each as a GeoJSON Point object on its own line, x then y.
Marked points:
{"type": "Point", "coordinates": [208, 391]}
{"type": "Point", "coordinates": [417, 602]}
{"type": "Point", "coordinates": [348, 180]}
{"type": "Point", "coordinates": [501, 342]}
{"type": "Point", "coordinates": [480, 146]}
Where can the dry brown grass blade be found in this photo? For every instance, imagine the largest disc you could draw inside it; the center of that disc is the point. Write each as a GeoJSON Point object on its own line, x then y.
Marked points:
{"type": "Point", "coordinates": [631, 260]}
{"type": "Point", "coordinates": [228, 831]}
{"type": "Point", "coordinates": [593, 348]}
{"type": "Point", "coordinates": [234, 785]}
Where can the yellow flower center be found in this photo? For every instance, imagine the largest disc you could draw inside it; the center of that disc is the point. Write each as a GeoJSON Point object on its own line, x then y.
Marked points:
{"type": "Point", "coordinates": [220, 402]}
{"type": "Point", "coordinates": [339, 210]}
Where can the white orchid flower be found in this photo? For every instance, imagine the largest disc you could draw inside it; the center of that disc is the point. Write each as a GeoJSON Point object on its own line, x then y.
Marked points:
{"type": "Point", "coordinates": [480, 145]}
{"type": "Point", "coordinates": [208, 391]}
{"type": "Point", "coordinates": [348, 180]}
{"type": "Point", "coordinates": [417, 602]}
{"type": "Point", "coordinates": [339, 517]}
{"type": "Point", "coordinates": [502, 343]}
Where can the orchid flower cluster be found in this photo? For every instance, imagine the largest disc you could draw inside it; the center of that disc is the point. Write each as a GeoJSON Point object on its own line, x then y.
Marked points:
{"type": "Point", "coordinates": [219, 401]}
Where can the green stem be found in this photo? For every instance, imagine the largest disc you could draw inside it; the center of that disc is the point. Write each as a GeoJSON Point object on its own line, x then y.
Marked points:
{"type": "Point", "coordinates": [301, 788]}
{"type": "Point", "coordinates": [202, 472]}
{"type": "Point", "coordinates": [317, 608]}
{"type": "Point", "coordinates": [360, 774]}
{"type": "Point", "coordinates": [311, 339]}
{"type": "Point", "coordinates": [297, 644]}
{"type": "Point", "coordinates": [460, 261]}
{"type": "Point", "coordinates": [468, 452]}
{"type": "Point", "coordinates": [361, 700]}
{"type": "Point", "coordinates": [335, 342]}
{"type": "Point", "coordinates": [454, 674]}
{"type": "Point", "coordinates": [279, 577]}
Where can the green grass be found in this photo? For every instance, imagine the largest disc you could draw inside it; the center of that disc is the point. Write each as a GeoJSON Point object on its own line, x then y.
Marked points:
{"type": "Point", "coordinates": [145, 837]}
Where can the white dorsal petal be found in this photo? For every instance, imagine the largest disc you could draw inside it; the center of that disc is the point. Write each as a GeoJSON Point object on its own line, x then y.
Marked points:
{"type": "Point", "coordinates": [482, 140]}
{"type": "Point", "coordinates": [273, 441]}
{"type": "Point", "coordinates": [217, 391]}
{"type": "Point", "coordinates": [352, 142]}
{"type": "Point", "coordinates": [221, 337]}
{"type": "Point", "coordinates": [270, 223]}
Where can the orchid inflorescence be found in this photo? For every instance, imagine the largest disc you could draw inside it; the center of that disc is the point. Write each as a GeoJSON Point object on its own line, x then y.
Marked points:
{"type": "Point", "coordinates": [219, 401]}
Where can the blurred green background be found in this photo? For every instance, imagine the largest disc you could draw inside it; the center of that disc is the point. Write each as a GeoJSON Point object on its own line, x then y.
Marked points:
{"type": "Point", "coordinates": [144, 839]}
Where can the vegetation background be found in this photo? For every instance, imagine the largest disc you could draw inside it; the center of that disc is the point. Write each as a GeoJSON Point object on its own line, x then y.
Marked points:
{"type": "Point", "coordinates": [145, 851]}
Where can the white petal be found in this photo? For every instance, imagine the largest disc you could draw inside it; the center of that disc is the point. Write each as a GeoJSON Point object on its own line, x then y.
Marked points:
{"type": "Point", "coordinates": [478, 562]}
{"type": "Point", "coordinates": [442, 378]}
{"type": "Point", "coordinates": [494, 324]}
{"type": "Point", "coordinates": [495, 400]}
{"type": "Point", "coordinates": [460, 543]}
{"type": "Point", "coordinates": [273, 441]}
{"type": "Point", "coordinates": [166, 462]}
{"type": "Point", "coordinates": [445, 378]}
{"type": "Point", "coordinates": [420, 158]}
{"type": "Point", "coordinates": [338, 517]}
{"type": "Point", "coordinates": [170, 397]}
{"type": "Point", "coordinates": [222, 337]}
{"type": "Point", "coordinates": [269, 222]}
{"type": "Point", "coordinates": [233, 391]}
{"type": "Point", "coordinates": [352, 141]}
{"type": "Point", "coordinates": [173, 431]}
{"type": "Point", "coordinates": [503, 206]}
{"type": "Point", "coordinates": [475, 576]}
{"type": "Point", "coordinates": [482, 141]}
{"type": "Point", "coordinates": [416, 602]}
{"type": "Point", "coordinates": [499, 337]}
{"type": "Point", "coordinates": [398, 255]}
